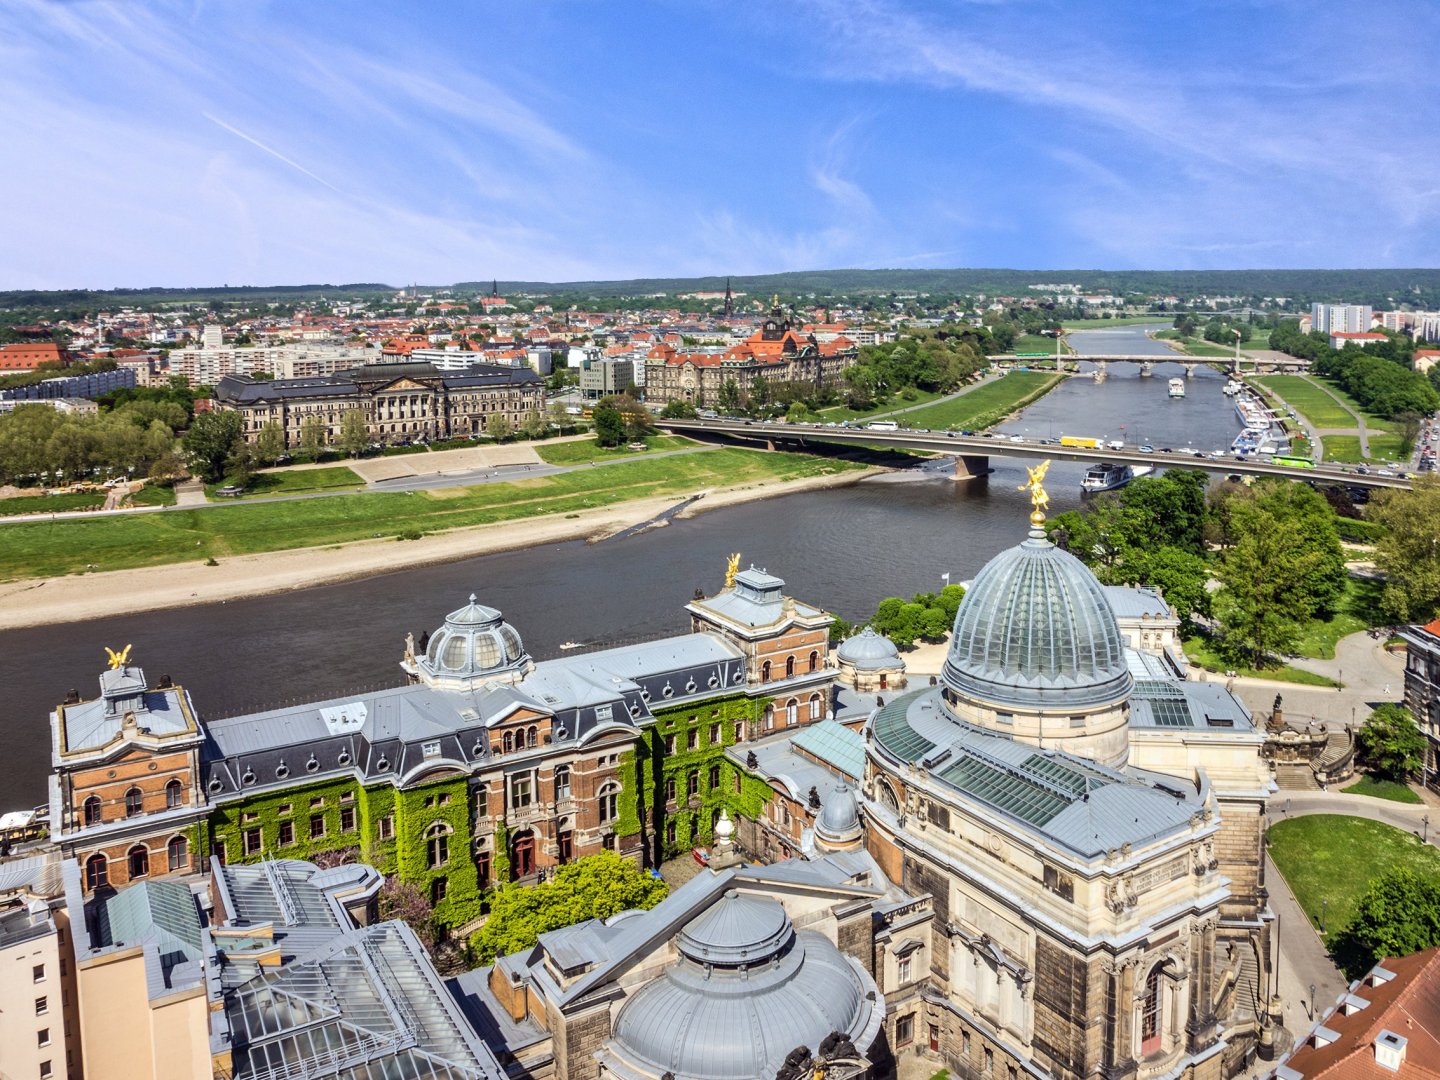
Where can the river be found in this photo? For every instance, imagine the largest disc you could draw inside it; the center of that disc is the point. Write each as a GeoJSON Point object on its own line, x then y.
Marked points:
{"type": "Point", "coordinates": [845, 549]}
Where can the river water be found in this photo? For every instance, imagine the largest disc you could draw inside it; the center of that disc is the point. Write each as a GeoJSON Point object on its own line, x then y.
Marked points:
{"type": "Point", "coordinates": [844, 549]}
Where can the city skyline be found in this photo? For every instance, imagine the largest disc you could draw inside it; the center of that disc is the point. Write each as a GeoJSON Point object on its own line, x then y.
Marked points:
{"type": "Point", "coordinates": [212, 143]}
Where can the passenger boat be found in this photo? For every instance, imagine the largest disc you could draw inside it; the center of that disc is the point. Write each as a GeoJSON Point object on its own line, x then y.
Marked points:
{"type": "Point", "coordinates": [1107, 476]}
{"type": "Point", "coordinates": [1233, 387]}
{"type": "Point", "coordinates": [1177, 387]}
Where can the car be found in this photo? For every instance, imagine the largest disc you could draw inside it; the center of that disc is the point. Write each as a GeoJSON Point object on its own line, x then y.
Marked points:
{"type": "Point", "coordinates": [1017, 438]}
{"type": "Point", "coordinates": [964, 432]}
{"type": "Point", "coordinates": [1147, 449]}
{"type": "Point", "coordinates": [1166, 450]}
{"type": "Point", "coordinates": [1384, 472]}
{"type": "Point", "coordinates": [1362, 470]}
{"type": "Point", "coordinates": [1201, 454]}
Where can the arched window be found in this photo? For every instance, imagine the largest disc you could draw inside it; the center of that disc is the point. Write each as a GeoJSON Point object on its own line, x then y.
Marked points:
{"type": "Point", "coordinates": [562, 782]}
{"type": "Point", "coordinates": [97, 871]}
{"type": "Point", "coordinates": [178, 852]}
{"type": "Point", "coordinates": [174, 794]}
{"type": "Point", "coordinates": [814, 660]}
{"type": "Point", "coordinates": [139, 859]}
{"type": "Point", "coordinates": [814, 706]}
{"type": "Point", "coordinates": [509, 742]}
{"type": "Point", "coordinates": [765, 671]}
{"type": "Point", "coordinates": [792, 711]}
{"type": "Point", "coordinates": [532, 736]}
{"type": "Point", "coordinates": [887, 796]}
{"type": "Point", "coordinates": [134, 800]}
{"type": "Point", "coordinates": [789, 667]}
{"type": "Point", "coordinates": [92, 810]}
{"type": "Point", "coordinates": [609, 802]}
{"type": "Point", "coordinates": [1150, 1014]}
{"type": "Point", "coordinates": [437, 843]}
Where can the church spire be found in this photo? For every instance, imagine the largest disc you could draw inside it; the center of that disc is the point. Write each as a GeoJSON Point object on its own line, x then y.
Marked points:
{"type": "Point", "coordinates": [729, 300]}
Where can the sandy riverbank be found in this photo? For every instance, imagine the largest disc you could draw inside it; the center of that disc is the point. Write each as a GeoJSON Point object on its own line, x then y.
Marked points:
{"type": "Point", "coordinates": [77, 597]}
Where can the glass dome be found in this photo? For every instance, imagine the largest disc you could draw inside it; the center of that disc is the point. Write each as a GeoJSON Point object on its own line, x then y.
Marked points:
{"type": "Point", "coordinates": [475, 641]}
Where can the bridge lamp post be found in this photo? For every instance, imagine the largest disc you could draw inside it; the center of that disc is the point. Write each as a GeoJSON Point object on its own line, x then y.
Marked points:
{"type": "Point", "coordinates": [1237, 349]}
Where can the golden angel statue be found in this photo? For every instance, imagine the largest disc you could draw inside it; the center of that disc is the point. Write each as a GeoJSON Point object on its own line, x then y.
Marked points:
{"type": "Point", "coordinates": [732, 567]}
{"type": "Point", "coordinates": [1039, 500]}
{"type": "Point", "coordinates": [118, 659]}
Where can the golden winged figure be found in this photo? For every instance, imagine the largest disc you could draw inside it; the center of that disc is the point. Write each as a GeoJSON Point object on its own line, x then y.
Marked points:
{"type": "Point", "coordinates": [118, 659]}
{"type": "Point", "coordinates": [1039, 500]}
{"type": "Point", "coordinates": [732, 567]}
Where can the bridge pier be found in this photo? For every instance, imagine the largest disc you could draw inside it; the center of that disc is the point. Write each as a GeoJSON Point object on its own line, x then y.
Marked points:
{"type": "Point", "coordinates": [1147, 369]}
{"type": "Point", "coordinates": [972, 466]}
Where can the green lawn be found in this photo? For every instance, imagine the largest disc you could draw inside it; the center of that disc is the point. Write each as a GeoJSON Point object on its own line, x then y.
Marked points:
{"type": "Point", "coordinates": [585, 451]}
{"type": "Point", "coordinates": [1201, 651]}
{"type": "Point", "coordinates": [1359, 609]}
{"type": "Point", "coordinates": [1333, 857]}
{"type": "Point", "coordinates": [51, 504]}
{"type": "Point", "coordinates": [1342, 448]}
{"type": "Point", "coordinates": [1119, 320]}
{"type": "Point", "coordinates": [985, 405]}
{"type": "Point", "coordinates": [153, 495]}
{"type": "Point", "coordinates": [295, 482]}
{"type": "Point", "coordinates": [898, 401]}
{"type": "Point", "coordinates": [1383, 789]}
{"type": "Point", "coordinates": [35, 549]}
{"type": "Point", "coordinates": [1194, 346]}
{"type": "Point", "coordinates": [1039, 343]}
{"type": "Point", "coordinates": [1310, 401]}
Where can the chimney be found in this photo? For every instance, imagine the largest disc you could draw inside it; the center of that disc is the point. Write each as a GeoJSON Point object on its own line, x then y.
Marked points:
{"type": "Point", "coordinates": [1390, 1050]}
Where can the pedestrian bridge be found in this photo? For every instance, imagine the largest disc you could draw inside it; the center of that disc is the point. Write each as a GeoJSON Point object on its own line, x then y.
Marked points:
{"type": "Point", "coordinates": [973, 452]}
{"type": "Point", "coordinates": [1071, 361]}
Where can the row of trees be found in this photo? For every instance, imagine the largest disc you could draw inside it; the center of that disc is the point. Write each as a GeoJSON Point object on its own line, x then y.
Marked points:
{"type": "Point", "coordinates": [39, 444]}
{"type": "Point", "coordinates": [931, 361]}
{"type": "Point", "coordinates": [1379, 376]}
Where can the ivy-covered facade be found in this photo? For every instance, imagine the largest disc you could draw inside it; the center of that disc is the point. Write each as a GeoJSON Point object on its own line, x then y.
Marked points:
{"type": "Point", "coordinates": [489, 767]}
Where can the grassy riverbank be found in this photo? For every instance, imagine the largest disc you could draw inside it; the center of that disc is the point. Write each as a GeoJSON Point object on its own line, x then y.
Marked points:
{"type": "Point", "coordinates": [42, 549]}
{"type": "Point", "coordinates": [588, 452]}
{"type": "Point", "coordinates": [1119, 320]}
{"type": "Point", "coordinates": [985, 405]}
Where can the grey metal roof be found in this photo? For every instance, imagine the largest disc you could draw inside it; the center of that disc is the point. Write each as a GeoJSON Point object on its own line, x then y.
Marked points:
{"type": "Point", "coordinates": [242, 390]}
{"type": "Point", "coordinates": [1079, 804]}
{"type": "Point", "coordinates": [839, 817]}
{"type": "Point", "coordinates": [835, 744]}
{"type": "Point", "coordinates": [1171, 703]}
{"type": "Point", "coordinates": [89, 725]}
{"type": "Point", "coordinates": [735, 931]}
{"type": "Point", "coordinates": [1036, 629]}
{"type": "Point", "coordinates": [869, 651]}
{"type": "Point", "coordinates": [1136, 601]}
{"type": "Point", "coordinates": [756, 599]}
{"type": "Point", "coordinates": [162, 913]}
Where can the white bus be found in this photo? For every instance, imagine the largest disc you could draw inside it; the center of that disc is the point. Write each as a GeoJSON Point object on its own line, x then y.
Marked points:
{"type": "Point", "coordinates": [882, 425]}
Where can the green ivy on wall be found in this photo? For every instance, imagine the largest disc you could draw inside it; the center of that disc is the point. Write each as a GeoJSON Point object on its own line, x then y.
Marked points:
{"type": "Point", "coordinates": [228, 822]}
{"type": "Point", "coordinates": [417, 810]}
{"type": "Point", "coordinates": [648, 768]}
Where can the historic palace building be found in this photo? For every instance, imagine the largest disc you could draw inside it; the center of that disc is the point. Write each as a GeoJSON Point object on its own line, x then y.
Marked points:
{"type": "Point", "coordinates": [487, 767]}
{"type": "Point", "coordinates": [400, 402]}
{"type": "Point", "coordinates": [776, 353]}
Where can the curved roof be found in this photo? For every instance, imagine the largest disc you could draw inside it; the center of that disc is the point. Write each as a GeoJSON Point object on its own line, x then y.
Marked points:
{"type": "Point", "coordinates": [1035, 630]}
{"type": "Point", "coordinates": [715, 1022]}
{"type": "Point", "coordinates": [738, 930]}
{"type": "Point", "coordinates": [869, 651]}
{"type": "Point", "coordinates": [839, 818]}
{"type": "Point", "coordinates": [475, 641]}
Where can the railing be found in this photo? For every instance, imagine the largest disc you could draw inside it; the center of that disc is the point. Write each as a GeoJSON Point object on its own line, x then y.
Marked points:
{"type": "Point", "coordinates": [284, 897]}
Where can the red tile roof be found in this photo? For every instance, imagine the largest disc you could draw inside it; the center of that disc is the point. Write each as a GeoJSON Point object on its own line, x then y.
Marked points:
{"type": "Point", "coordinates": [27, 356]}
{"type": "Point", "coordinates": [1407, 1005]}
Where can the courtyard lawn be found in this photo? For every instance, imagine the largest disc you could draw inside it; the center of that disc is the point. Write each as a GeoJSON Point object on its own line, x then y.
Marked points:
{"type": "Point", "coordinates": [585, 451]}
{"type": "Point", "coordinates": [985, 405]}
{"type": "Point", "coordinates": [1333, 858]}
{"type": "Point", "coordinates": [1359, 609]}
{"type": "Point", "coordinates": [38, 549]}
{"type": "Point", "coordinates": [1202, 651]}
{"type": "Point", "coordinates": [52, 504]}
{"type": "Point", "coordinates": [295, 482]}
{"type": "Point", "coordinates": [1383, 789]}
{"type": "Point", "coordinates": [153, 495]}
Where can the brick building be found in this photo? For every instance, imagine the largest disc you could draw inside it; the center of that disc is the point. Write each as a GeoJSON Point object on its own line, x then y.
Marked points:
{"type": "Point", "coordinates": [1422, 691]}
{"type": "Point", "coordinates": [27, 356]}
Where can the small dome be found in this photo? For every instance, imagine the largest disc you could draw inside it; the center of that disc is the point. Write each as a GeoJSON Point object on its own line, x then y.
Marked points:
{"type": "Point", "coordinates": [1035, 630]}
{"type": "Point", "coordinates": [869, 651]}
{"type": "Point", "coordinates": [475, 641]}
{"type": "Point", "coordinates": [737, 931]}
{"type": "Point", "coordinates": [686, 1021]}
{"type": "Point", "coordinates": [839, 819]}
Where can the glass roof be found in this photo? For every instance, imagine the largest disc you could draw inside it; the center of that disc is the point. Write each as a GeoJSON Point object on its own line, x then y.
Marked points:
{"type": "Point", "coordinates": [895, 733]}
{"type": "Point", "coordinates": [1167, 702]}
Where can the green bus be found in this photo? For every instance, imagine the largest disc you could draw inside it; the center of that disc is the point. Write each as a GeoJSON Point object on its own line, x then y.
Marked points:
{"type": "Point", "coordinates": [1293, 462]}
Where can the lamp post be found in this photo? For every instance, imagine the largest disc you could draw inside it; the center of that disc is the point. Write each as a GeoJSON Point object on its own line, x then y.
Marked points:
{"type": "Point", "coordinates": [1324, 904]}
{"type": "Point", "coordinates": [1312, 1001]}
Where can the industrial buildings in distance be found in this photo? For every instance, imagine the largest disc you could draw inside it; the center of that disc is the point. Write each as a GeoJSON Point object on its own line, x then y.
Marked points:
{"type": "Point", "coordinates": [1046, 862]}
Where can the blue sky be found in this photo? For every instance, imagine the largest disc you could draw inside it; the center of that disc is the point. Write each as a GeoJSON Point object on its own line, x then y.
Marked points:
{"type": "Point", "coordinates": [245, 142]}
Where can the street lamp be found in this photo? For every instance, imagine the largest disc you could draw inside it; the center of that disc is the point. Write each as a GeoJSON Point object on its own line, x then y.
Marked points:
{"type": "Point", "coordinates": [1312, 1001]}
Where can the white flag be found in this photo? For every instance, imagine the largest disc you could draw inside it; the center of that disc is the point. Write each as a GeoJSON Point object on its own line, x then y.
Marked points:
{"type": "Point", "coordinates": [945, 576]}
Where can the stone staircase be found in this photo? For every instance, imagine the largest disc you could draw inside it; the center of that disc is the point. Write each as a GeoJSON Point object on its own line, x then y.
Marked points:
{"type": "Point", "coordinates": [1295, 776]}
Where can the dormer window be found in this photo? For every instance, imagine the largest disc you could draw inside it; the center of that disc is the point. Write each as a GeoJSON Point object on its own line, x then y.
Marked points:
{"type": "Point", "coordinates": [430, 749]}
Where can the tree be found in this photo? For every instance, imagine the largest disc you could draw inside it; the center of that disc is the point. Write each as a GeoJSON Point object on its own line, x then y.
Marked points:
{"type": "Point", "coordinates": [354, 432]}
{"type": "Point", "coordinates": [1390, 743]}
{"type": "Point", "coordinates": [1263, 575]}
{"type": "Point", "coordinates": [210, 442]}
{"type": "Point", "coordinates": [1182, 579]}
{"type": "Point", "coordinates": [534, 425]}
{"type": "Point", "coordinates": [632, 414]}
{"type": "Point", "coordinates": [609, 426]}
{"type": "Point", "coordinates": [729, 396]}
{"type": "Point", "coordinates": [1398, 915]}
{"type": "Point", "coordinates": [500, 428]}
{"type": "Point", "coordinates": [595, 887]}
{"type": "Point", "coordinates": [1308, 512]}
{"type": "Point", "coordinates": [679, 410]}
{"type": "Point", "coordinates": [270, 443]}
{"type": "Point", "coordinates": [312, 435]}
{"type": "Point", "coordinates": [1409, 552]}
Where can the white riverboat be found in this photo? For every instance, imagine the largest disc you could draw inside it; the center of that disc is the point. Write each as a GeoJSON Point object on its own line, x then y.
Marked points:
{"type": "Point", "coordinates": [1177, 387]}
{"type": "Point", "coordinates": [1107, 476]}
